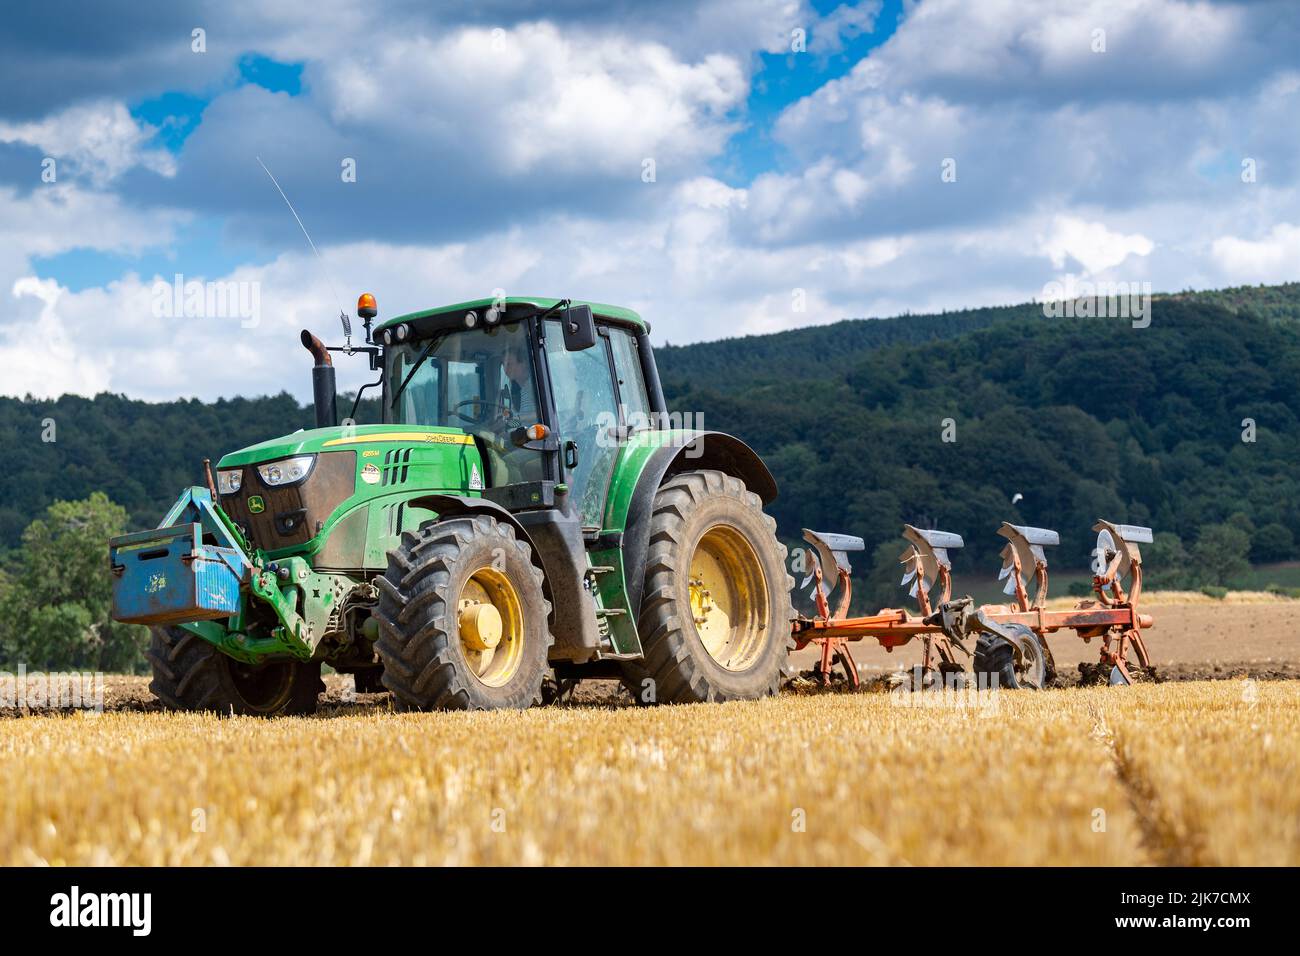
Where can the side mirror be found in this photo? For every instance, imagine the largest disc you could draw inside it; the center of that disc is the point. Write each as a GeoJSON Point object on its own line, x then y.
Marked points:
{"type": "Point", "coordinates": [579, 328]}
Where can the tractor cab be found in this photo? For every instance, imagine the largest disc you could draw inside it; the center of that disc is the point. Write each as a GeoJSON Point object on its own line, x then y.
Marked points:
{"type": "Point", "coordinates": [547, 389]}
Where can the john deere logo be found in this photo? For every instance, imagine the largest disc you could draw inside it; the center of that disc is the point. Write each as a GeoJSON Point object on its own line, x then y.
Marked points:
{"type": "Point", "coordinates": [256, 505]}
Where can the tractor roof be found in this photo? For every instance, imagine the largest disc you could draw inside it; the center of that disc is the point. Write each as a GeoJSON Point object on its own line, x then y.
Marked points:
{"type": "Point", "coordinates": [524, 302]}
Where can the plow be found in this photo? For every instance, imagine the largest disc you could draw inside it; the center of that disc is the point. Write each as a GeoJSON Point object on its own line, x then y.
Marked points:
{"type": "Point", "coordinates": [1006, 644]}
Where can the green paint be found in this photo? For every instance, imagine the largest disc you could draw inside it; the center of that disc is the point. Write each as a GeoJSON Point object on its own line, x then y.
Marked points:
{"type": "Point", "coordinates": [632, 459]}
{"type": "Point", "coordinates": [313, 440]}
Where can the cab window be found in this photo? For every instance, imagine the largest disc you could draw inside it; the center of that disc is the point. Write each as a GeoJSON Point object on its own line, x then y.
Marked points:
{"type": "Point", "coordinates": [479, 380]}
{"type": "Point", "coordinates": [586, 409]}
{"type": "Point", "coordinates": [631, 383]}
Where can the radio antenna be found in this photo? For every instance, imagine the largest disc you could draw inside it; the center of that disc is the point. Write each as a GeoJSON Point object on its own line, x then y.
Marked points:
{"type": "Point", "coordinates": [343, 316]}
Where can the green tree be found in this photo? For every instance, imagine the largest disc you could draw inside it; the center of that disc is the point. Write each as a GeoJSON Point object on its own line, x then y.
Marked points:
{"type": "Point", "coordinates": [881, 588]}
{"type": "Point", "coordinates": [1220, 554]}
{"type": "Point", "coordinates": [1166, 564]}
{"type": "Point", "coordinates": [54, 613]}
{"type": "Point", "coordinates": [1272, 542]}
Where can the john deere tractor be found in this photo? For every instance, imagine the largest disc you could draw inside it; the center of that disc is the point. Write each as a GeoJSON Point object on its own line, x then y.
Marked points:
{"type": "Point", "coordinates": [522, 518]}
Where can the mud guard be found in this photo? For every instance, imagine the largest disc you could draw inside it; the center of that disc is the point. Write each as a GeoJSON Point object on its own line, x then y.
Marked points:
{"type": "Point", "coordinates": [713, 450]}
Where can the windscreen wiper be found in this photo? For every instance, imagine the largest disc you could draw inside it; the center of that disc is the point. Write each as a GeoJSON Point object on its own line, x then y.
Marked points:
{"type": "Point", "coordinates": [433, 342]}
{"type": "Point", "coordinates": [547, 313]}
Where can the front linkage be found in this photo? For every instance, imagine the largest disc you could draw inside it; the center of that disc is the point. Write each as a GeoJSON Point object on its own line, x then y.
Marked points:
{"type": "Point", "coordinates": [198, 570]}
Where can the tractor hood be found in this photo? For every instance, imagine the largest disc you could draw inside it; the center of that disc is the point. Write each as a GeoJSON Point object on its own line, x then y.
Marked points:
{"type": "Point", "coordinates": [310, 441]}
{"type": "Point", "coordinates": [290, 494]}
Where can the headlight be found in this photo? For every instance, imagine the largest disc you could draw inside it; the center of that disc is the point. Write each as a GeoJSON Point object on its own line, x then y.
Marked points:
{"type": "Point", "coordinates": [290, 471]}
{"type": "Point", "coordinates": [228, 482]}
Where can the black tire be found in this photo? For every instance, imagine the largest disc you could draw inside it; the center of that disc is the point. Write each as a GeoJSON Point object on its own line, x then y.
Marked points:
{"type": "Point", "coordinates": [425, 665]}
{"type": "Point", "coordinates": [191, 674]}
{"type": "Point", "coordinates": [677, 667]}
{"type": "Point", "coordinates": [995, 660]}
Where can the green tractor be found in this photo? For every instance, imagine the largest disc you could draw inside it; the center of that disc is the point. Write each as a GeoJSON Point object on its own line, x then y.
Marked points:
{"type": "Point", "coordinates": [523, 518]}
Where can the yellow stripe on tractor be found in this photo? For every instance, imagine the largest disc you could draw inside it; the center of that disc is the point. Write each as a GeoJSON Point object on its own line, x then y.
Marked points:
{"type": "Point", "coordinates": [437, 438]}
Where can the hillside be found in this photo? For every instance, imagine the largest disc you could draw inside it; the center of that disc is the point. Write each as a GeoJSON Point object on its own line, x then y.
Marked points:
{"type": "Point", "coordinates": [1082, 417]}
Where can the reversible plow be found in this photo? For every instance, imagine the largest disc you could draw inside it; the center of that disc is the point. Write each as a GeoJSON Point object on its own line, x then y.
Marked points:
{"type": "Point", "coordinates": [1005, 643]}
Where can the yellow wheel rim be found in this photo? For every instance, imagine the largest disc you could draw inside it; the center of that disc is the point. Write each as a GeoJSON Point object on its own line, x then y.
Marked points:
{"type": "Point", "coordinates": [728, 597]}
{"type": "Point", "coordinates": [490, 623]}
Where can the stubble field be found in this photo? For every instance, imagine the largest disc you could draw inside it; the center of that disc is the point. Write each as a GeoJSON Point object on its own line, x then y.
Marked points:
{"type": "Point", "coordinates": [1173, 773]}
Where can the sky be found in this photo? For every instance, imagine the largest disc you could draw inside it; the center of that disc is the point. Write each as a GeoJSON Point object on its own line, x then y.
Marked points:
{"type": "Point", "coordinates": [725, 167]}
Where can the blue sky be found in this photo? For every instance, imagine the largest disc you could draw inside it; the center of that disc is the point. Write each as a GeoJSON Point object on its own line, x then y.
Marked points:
{"type": "Point", "coordinates": [695, 161]}
{"type": "Point", "coordinates": [204, 246]}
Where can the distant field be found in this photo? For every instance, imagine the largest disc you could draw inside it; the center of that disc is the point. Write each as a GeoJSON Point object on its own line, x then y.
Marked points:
{"type": "Point", "coordinates": [1186, 773]}
{"type": "Point", "coordinates": [986, 589]}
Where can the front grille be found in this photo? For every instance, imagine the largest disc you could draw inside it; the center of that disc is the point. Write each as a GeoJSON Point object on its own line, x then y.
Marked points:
{"type": "Point", "coordinates": [293, 515]}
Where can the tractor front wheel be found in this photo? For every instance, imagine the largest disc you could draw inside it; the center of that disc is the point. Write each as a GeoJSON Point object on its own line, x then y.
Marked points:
{"type": "Point", "coordinates": [191, 674]}
{"type": "Point", "coordinates": [715, 613]}
{"type": "Point", "coordinates": [463, 618]}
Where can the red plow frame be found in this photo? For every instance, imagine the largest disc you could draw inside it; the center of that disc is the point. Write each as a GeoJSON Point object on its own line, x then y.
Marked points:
{"type": "Point", "coordinates": [945, 625]}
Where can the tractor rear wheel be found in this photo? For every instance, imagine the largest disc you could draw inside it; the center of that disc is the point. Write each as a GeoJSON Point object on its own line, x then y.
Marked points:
{"type": "Point", "coordinates": [996, 665]}
{"type": "Point", "coordinates": [191, 674]}
{"type": "Point", "coordinates": [715, 613]}
{"type": "Point", "coordinates": [463, 618]}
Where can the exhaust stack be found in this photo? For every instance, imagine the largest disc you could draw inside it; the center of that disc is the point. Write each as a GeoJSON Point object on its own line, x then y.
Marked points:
{"type": "Point", "coordinates": [324, 393]}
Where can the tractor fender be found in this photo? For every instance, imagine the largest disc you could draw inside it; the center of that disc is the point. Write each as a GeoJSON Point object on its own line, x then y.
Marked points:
{"type": "Point", "coordinates": [450, 506]}
{"type": "Point", "coordinates": [712, 450]}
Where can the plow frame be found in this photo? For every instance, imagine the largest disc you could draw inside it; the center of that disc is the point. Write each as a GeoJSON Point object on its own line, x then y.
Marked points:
{"type": "Point", "coordinates": [943, 625]}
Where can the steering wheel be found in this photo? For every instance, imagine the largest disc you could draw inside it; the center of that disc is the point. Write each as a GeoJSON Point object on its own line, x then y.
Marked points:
{"type": "Point", "coordinates": [484, 405]}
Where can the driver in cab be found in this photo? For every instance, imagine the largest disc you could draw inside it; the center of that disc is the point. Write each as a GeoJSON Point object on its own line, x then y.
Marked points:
{"type": "Point", "coordinates": [516, 408]}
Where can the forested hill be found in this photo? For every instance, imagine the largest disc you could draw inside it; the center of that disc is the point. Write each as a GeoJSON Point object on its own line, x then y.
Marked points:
{"type": "Point", "coordinates": [1081, 417]}
{"type": "Point", "coordinates": [816, 352]}
{"type": "Point", "coordinates": [830, 350]}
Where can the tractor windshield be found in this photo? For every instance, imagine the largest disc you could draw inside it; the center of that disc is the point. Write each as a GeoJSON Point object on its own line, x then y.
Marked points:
{"type": "Point", "coordinates": [480, 380]}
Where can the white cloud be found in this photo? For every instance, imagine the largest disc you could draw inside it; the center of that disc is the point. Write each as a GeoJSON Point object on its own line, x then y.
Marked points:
{"type": "Point", "coordinates": [845, 22]}
{"type": "Point", "coordinates": [1045, 49]}
{"type": "Point", "coordinates": [536, 98]}
{"type": "Point", "coordinates": [57, 217]}
{"type": "Point", "coordinates": [1091, 244]}
{"type": "Point", "coordinates": [40, 356]}
{"type": "Point", "coordinates": [1275, 257]}
{"type": "Point", "coordinates": [100, 139]}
